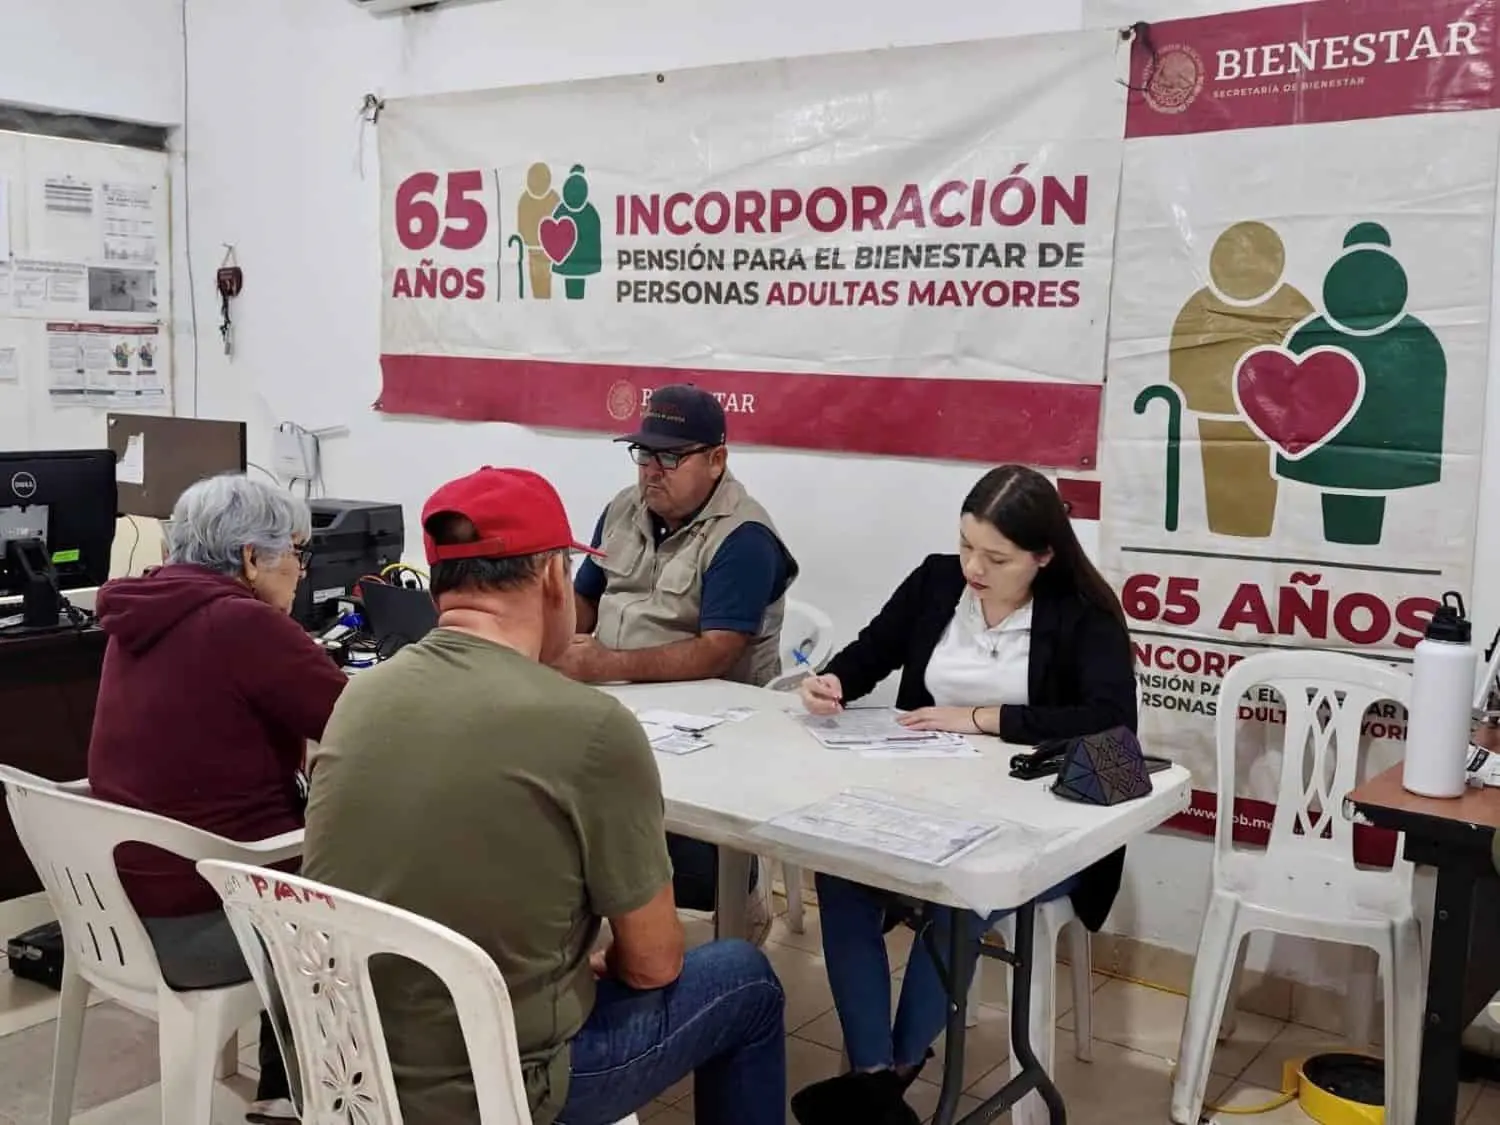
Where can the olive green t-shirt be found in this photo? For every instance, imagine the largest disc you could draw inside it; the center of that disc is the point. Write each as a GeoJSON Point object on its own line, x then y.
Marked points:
{"type": "Point", "coordinates": [469, 784]}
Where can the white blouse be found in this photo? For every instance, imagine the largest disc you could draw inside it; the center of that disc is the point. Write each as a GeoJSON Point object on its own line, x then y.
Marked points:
{"type": "Point", "coordinates": [976, 665]}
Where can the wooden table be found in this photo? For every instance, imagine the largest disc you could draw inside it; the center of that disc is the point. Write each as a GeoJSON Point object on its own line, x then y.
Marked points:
{"type": "Point", "coordinates": [1455, 837]}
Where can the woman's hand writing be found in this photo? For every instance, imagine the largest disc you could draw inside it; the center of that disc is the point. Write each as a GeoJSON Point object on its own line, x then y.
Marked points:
{"type": "Point", "coordinates": [822, 695]}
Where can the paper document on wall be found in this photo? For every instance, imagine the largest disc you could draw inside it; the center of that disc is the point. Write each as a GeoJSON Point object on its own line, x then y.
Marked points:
{"type": "Point", "coordinates": [47, 288]}
{"type": "Point", "coordinates": [131, 467]}
{"type": "Point", "coordinates": [130, 223]}
{"type": "Point", "coordinates": [62, 217]}
{"type": "Point", "coordinates": [106, 366]}
{"type": "Point", "coordinates": [884, 823]}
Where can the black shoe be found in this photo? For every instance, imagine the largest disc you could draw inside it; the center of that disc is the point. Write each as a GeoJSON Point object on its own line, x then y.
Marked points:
{"type": "Point", "coordinates": [907, 1080]}
{"type": "Point", "coordinates": [857, 1098]}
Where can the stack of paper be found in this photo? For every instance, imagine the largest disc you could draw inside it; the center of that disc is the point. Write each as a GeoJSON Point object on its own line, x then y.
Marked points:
{"type": "Point", "coordinates": [679, 720]}
{"type": "Point", "coordinates": [874, 732]}
{"type": "Point", "coordinates": [669, 740]}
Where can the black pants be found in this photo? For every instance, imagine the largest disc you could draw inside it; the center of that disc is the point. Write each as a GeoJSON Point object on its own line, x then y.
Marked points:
{"type": "Point", "coordinates": [695, 867]}
{"type": "Point", "coordinates": [200, 951]}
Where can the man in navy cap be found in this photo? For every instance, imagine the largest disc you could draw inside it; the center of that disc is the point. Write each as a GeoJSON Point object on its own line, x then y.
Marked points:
{"type": "Point", "coordinates": [691, 585]}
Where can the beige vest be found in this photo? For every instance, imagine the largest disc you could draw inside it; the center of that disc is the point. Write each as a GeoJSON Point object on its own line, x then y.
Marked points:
{"type": "Point", "coordinates": [655, 591]}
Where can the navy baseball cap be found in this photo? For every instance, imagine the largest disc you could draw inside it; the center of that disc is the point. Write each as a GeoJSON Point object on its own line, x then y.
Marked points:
{"type": "Point", "coordinates": [679, 417]}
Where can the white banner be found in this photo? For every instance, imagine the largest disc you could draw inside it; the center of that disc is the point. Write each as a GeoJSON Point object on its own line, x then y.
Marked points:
{"type": "Point", "coordinates": [1297, 363]}
{"type": "Point", "coordinates": [895, 251]}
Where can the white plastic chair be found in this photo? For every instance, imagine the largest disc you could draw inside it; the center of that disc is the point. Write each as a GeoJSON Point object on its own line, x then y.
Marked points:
{"type": "Point", "coordinates": [70, 838]}
{"type": "Point", "coordinates": [1305, 882]}
{"type": "Point", "coordinates": [320, 941]}
{"type": "Point", "coordinates": [806, 645]}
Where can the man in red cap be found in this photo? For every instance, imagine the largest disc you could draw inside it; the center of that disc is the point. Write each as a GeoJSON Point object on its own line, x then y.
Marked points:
{"type": "Point", "coordinates": [467, 781]}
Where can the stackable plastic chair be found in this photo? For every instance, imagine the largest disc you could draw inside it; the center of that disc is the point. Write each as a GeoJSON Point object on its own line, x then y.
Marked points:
{"type": "Point", "coordinates": [319, 942]}
{"type": "Point", "coordinates": [1304, 883]}
{"type": "Point", "coordinates": [71, 839]}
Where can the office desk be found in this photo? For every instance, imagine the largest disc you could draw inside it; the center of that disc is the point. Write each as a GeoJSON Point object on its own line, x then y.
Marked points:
{"type": "Point", "coordinates": [1463, 974]}
{"type": "Point", "coordinates": [768, 765]}
{"type": "Point", "coordinates": [48, 685]}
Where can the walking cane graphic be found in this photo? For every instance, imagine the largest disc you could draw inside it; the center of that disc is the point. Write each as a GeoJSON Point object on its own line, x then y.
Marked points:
{"type": "Point", "coordinates": [520, 245]}
{"type": "Point", "coordinates": [1169, 395]}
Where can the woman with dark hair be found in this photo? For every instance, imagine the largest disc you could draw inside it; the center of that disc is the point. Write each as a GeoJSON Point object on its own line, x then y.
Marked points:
{"type": "Point", "coordinates": [1018, 635]}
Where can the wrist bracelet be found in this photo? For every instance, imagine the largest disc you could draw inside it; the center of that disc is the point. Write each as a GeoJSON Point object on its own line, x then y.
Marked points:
{"type": "Point", "coordinates": [974, 718]}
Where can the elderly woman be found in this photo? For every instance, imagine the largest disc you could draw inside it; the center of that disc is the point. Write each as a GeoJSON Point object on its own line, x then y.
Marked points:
{"type": "Point", "coordinates": [207, 699]}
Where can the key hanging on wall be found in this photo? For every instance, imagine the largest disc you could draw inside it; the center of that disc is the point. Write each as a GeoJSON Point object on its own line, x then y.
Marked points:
{"type": "Point", "coordinates": [231, 282]}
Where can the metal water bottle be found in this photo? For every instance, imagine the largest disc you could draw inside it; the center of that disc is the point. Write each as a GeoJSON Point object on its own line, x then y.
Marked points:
{"type": "Point", "coordinates": [1442, 694]}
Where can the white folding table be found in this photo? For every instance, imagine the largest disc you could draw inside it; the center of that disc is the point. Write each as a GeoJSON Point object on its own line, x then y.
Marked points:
{"type": "Point", "coordinates": [767, 766]}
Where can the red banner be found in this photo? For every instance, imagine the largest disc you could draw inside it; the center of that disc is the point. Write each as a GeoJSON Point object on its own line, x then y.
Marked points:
{"type": "Point", "coordinates": [1301, 64]}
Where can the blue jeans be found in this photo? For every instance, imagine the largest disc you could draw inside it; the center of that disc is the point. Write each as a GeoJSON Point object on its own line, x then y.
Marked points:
{"type": "Point", "coordinates": [721, 1021]}
{"type": "Point", "coordinates": [859, 972]}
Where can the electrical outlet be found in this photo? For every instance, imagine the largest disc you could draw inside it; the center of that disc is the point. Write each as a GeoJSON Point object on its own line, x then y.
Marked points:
{"type": "Point", "coordinates": [294, 452]}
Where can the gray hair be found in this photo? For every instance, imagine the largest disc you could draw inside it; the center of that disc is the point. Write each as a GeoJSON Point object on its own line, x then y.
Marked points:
{"type": "Point", "coordinates": [217, 518]}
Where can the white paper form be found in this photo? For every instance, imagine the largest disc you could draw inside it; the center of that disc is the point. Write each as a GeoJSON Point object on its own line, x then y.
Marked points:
{"type": "Point", "coordinates": [50, 288]}
{"type": "Point", "coordinates": [670, 740]}
{"type": "Point", "coordinates": [63, 218]}
{"type": "Point", "coordinates": [863, 726]}
{"type": "Point", "coordinates": [873, 732]}
{"type": "Point", "coordinates": [883, 823]}
{"type": "Point", "coordinates": [131, 467]}
{"type": "Point", "coordinates": [10, 364]}
{"type": "Point", "coordinates": [130, 223]}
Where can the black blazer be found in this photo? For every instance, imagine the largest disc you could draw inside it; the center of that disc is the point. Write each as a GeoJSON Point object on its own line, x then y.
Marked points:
{"type": "Point", "coordinates": [1080, 680]}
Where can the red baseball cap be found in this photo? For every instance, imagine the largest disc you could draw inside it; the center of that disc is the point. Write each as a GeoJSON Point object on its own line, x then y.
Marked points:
{"type": "Point", "coordinates": [516, 512]}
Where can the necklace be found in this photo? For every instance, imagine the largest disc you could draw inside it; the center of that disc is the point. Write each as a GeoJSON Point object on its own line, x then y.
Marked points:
{"type": "Point", "coordinates": [989, 637]}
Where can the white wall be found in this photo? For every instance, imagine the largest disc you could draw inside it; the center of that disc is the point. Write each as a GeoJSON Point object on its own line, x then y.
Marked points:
{"type": "Point", "coordinates": [113, 60]}
{"type": "Point", "coordinates": [120, 60]}
{"type": "Point", "coordinates": [274, 89]}
{"type": "Point", "coordinates": [274, 171]}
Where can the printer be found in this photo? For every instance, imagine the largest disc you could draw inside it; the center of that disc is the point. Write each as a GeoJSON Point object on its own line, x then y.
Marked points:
{"type": "Point", "coordinates": [350, 539]}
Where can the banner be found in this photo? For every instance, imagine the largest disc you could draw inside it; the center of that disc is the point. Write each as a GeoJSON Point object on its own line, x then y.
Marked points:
{"type": "Point", "coordinates": [1298, 355]}
{"type": "Point", "coordinates": [901, 252]}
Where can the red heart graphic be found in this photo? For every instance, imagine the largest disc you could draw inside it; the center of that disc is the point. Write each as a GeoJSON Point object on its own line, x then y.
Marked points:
{"type": "Point", "coordinates": [559, 236]}
{"type": "Point", "coordinates": [1297, 403]}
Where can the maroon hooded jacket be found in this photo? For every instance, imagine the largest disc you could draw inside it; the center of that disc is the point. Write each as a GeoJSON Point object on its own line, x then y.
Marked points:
{"type": "Point", "coordinates": [206, 702]}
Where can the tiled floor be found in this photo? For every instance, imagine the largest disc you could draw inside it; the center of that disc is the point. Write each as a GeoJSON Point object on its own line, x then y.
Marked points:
{"type": "Point", "coordinates": [1129, 1080]}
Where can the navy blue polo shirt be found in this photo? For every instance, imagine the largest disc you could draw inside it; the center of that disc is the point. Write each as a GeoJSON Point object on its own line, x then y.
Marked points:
{"type": "Point", "coordinates": [745, 577]}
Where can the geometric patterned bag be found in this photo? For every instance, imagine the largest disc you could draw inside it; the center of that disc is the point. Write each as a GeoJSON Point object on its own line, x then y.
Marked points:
{"type": "Point", "coordinates": [1103, 769]}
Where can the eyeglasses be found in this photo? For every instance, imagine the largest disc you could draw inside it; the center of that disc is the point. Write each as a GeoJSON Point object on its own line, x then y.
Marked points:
{"type": "Point", "coordinates": [304, 553]}
{"type": "Point", "coordinates": [668, 459]}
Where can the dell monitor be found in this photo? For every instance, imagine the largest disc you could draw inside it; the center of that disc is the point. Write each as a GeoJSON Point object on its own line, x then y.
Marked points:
{"type": "Point", "coordinates": [57, 526]}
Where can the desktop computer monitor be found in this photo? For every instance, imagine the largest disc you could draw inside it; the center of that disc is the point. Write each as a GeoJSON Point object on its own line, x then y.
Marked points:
{"type": "Point", "coordinates": [57, 525]}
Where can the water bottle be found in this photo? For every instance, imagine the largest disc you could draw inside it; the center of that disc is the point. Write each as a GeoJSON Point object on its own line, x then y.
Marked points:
{"type": "Point", "coordinates": [1442, 694]}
